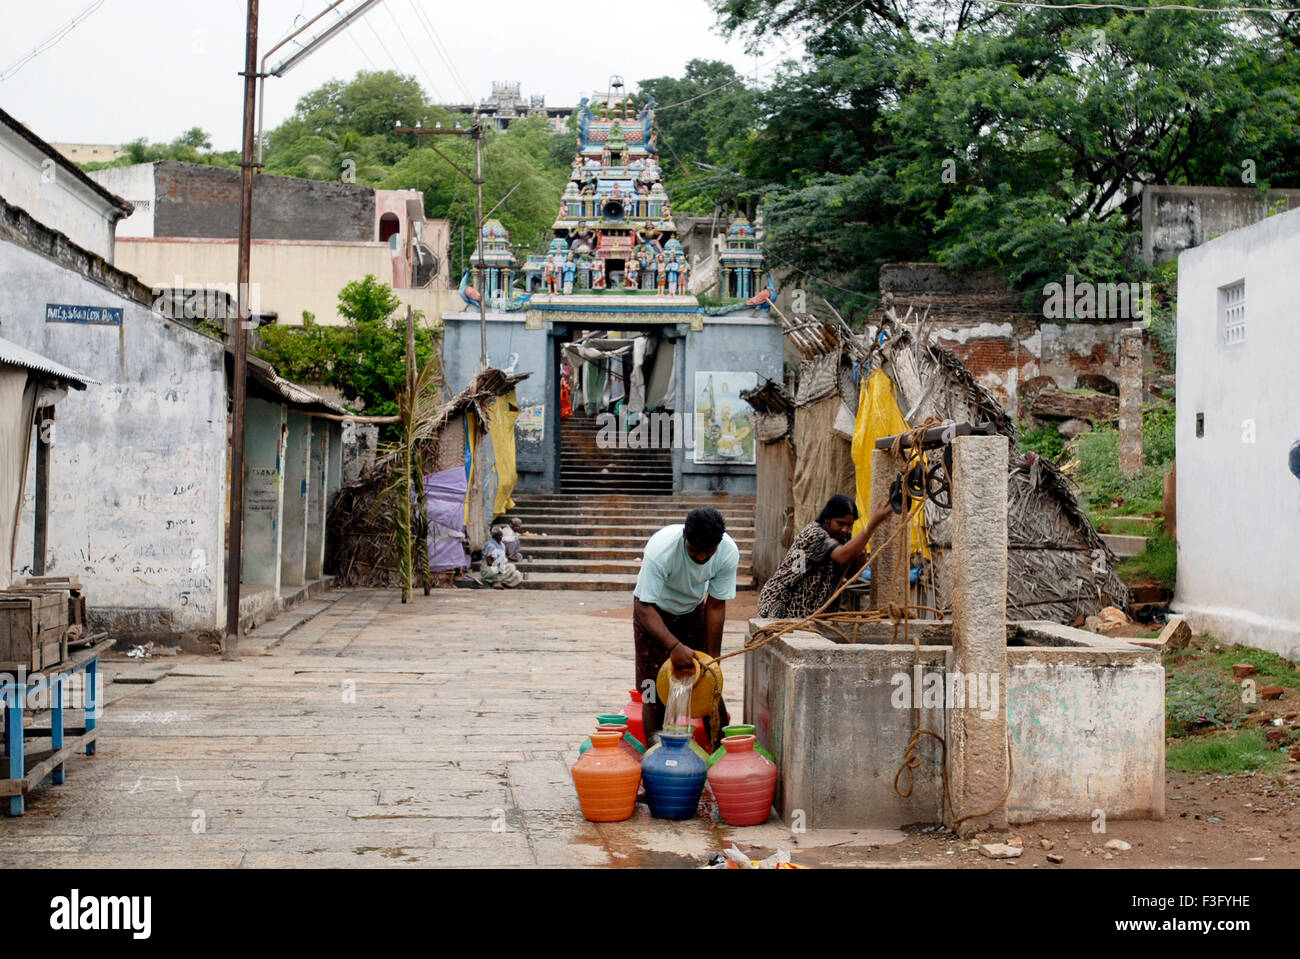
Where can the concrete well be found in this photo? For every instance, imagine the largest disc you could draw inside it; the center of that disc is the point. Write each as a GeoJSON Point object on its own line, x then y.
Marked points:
{"type": "Point", "coordinates": [1084, 716]}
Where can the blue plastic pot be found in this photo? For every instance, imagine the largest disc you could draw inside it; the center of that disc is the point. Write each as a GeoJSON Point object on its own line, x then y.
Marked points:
{"type": "Point", "coordinates": [674, 777]}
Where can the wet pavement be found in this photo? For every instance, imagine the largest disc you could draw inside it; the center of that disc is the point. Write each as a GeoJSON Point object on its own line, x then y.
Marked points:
{"type": "Point", "coordinates": [358, 731]}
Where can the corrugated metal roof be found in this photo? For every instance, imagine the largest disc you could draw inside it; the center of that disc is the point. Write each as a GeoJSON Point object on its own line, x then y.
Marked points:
{"type": "Point", "coordinates": [262, 372]}
{"type": "Point", "coordinates": [16, 355]}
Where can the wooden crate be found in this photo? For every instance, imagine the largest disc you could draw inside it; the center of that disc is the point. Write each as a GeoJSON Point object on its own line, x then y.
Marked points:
{"type": "Point", "coordinates": [33, 627]}
{"type": "Point", "coordinates": [70, 586]}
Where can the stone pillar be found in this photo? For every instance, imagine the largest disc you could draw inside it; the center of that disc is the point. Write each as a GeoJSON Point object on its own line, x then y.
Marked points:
{"type": "Point", "coordinates": [977, 731]}
{"type": "Point", "coordinates": [886, 587]}
{"type": "Point", "coordinates": [1130, 402]}
{"type": "Point", "coordinates": [293, 549]}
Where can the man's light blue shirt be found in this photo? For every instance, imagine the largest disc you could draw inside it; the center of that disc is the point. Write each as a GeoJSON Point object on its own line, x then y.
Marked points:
{"type": "Point", "coordinates": [674, 582]}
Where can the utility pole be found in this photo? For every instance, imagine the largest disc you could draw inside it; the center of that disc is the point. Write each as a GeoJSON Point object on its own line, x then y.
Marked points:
{"type": "Point", "coordinates": [235, 536]}
{"type": "Point", "coordinates": [476, 131]}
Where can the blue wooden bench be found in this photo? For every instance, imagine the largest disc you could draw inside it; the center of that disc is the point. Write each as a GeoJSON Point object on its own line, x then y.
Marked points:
{"type": "Point", "coordinates": [23, 767]}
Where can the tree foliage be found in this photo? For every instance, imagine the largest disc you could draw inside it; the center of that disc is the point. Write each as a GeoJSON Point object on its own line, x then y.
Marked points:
{"type": "Point", "coordinates": [365, 360]}
{"type": "Point", "coordinates": [996, 137]}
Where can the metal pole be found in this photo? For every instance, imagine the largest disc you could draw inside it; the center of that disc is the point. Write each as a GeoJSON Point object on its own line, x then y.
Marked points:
{"type": "Point", "coordinates": [482, 294]}
{"type": "Point", "coordinates": [234, 549]}
{"type": "Point", "coordinates": [44, 440]}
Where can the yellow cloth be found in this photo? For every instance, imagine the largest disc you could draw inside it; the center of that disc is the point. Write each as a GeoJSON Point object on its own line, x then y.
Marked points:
{"type": "Point", "coordinates": [879, 415]}
{"type": "Point", "coordinates": [504, 413]}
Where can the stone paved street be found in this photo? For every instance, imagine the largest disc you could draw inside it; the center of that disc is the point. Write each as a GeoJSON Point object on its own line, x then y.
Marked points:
{"type": "Point", "coordinates": [355, 731]}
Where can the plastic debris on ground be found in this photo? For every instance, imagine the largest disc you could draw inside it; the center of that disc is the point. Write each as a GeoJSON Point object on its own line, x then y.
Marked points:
{"type": "Point", "coordinates": [733, 858]}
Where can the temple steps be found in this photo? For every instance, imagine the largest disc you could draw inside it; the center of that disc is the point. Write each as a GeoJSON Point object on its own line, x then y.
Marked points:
{"type": "Point", "coordinates": [596, 541]}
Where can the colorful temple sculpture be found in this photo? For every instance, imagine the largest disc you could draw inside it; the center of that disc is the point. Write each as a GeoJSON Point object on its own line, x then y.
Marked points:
{"type": "Point", "coordinates": [614, 277]}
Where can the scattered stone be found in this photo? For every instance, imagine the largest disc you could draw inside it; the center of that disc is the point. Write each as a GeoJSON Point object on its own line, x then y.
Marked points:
{"type": "Point", "coordinates": [1270, 692]}
{"type": "Point", "coordinates": [1295, 754]}
{"type": "Point", "coordinates": [1016, 841]}
{"type": "Point", "coordinates": [1108, 856]}
{"type": "Point", "coordinates": [1055, 857]}
{"type": "Point", "coordinates": [1291, 715]}
{"type": "Point", "coordinates": [1119, 845]}
{"type": "Point", "coordinates": [1214, 819]}
{"type": "Point", "coordinates": [1242, 670]}
{"type": "Point", "coordinates": [1176, 635]}
{"type": "Point", "coordinates": [1047, 844]}
{"type": "Point", "coordinates": [1275, 735]}
{"type": "Point", "coordinates": [1000, 850]}
{"type": "Point", "coordinates": [1072, 428]}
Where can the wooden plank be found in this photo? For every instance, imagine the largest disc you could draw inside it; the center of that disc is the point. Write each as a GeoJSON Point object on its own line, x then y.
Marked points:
{"type": "Point", "coordinates": [48, 759]}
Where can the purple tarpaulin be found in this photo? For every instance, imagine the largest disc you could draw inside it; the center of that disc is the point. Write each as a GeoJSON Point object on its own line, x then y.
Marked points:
{"type": "Point", "coordinates": [444, 502]}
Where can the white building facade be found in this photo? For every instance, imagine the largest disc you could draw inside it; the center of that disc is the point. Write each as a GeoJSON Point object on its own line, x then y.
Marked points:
{"type": "Point", "coordinates": [1238, 382]}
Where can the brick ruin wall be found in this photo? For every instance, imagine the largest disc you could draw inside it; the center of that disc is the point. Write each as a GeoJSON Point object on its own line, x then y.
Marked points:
{"type": "Point", "coordinates": [1010, 350]}
{"type": "Point", "coordinates": [194, 200]}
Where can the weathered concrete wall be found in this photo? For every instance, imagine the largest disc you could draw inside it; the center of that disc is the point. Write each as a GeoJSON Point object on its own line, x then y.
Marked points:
{"type": "Point", "coordinates": [34, 181]}
{"type": "Point", "coordinates": [297, 465]}
{"type": "Point", "coordinates": [1087, 728]}
{"type": "Point", "coordinates": [265, 433]}
{"type": "Point", "coordinates": [1177, 218]}
{"type": "Point", "coordinates": [1086, 723]}
{"type": "Point", "coordinates": [136, 184]}
{"type": "Point", "coordinates": [195, 200]}
{"type": "Point", "coordinates": [138, 472]}
{"type": "Point", "coordinates": [826, 713]}
{"type": "Point", "coordinates": [1238, 503]}
{"type": "Point", "coordinates": [317, 484]}
{"type": "Point", "coordinates": [735, 343]}
{"type": "Point", "coordinates": [359, 448]}
{"type": "Point", "coordinates": [288, 276]}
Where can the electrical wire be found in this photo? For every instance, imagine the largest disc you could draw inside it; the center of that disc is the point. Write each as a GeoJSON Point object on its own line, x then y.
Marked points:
{"type": "Point", "coordinates": [51, 40]}
{"type": "Point", "coordinates": [1130, 8]}
{"type": "Point", "coordinates": [433, 87]}
{"type": "Point", "coordinates": [784, 50]}
{"type": "Point", "coordinates": [392, 59]}
{"type": "Point", "coordinates": [440, 49]}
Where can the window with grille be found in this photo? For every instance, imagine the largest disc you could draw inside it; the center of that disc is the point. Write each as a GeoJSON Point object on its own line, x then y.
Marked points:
{"type": "Point", "coordinates": [1232, 313]}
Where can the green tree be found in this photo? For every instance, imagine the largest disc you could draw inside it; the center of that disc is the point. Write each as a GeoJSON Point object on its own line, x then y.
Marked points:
{"type": "Point", "coordinates": [365, 360]}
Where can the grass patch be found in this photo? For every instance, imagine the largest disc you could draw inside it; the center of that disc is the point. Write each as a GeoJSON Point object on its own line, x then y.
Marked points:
{"type": "Point", "coordinates": [1269, 667]}
{"type": "Point", "coordinates": [1046, 441]}
{"type": "Point", "coordinates": [1094, 466]}
{"type": "Point", "coordinates": [1158, 563]}
{"type": "Point", "coordinates": [1245, 751]}
{"type": "Point", "coordinates": [1123, 525]}
{"type": "Point", "coordinates": [1200, 699]}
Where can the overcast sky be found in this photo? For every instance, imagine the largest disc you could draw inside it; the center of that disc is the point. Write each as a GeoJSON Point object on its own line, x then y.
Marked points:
{"type": "Point", "coordinates": [155, 68]}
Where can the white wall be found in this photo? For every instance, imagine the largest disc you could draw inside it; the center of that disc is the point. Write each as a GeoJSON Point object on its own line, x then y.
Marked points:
{"type": "Point", "coordinates": [138, 465]}
{"type": "Point", "coordinates": [134, 183]}
{"type": "Point", "coordinates": [1238, 510]}
{"type": "Point", "coordinates": [34, 181]}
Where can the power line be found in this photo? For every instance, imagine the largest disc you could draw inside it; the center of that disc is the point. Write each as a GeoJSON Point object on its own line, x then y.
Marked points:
{"type": "Point", "coordinates": [440, 49]}
{"type": "Point", "coordinates": [51, 40]}
{"type": "Point", "coordinates": [433, 87]}
{"type": "Point", "coordinates": [369, 59]}
{"type": "Point", "coordinates": [397, 66]}
{"type": "Point", "coordinates": [740, 76]}
{"type": "Point", "coordinates": [1139, 9]}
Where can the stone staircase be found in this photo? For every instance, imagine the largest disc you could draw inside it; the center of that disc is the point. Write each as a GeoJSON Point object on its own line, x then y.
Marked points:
{"type": "Point", "coordinates": [586, 468]}
{"type": "Point", "coordinates": [595, 540]}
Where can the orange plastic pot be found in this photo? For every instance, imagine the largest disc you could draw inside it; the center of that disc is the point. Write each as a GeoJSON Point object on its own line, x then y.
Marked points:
{"type": "Point", "coordinates": [606, 779]}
